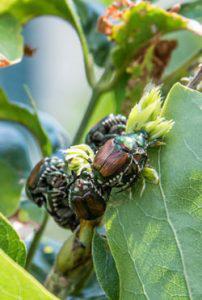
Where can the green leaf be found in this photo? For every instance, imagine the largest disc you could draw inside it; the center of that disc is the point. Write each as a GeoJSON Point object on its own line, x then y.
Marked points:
{"type": "Point", "coordinates": [140, 24]}
{"type": "Point", "coordinates": [10, 242]}
{"type": "Point", "coordinates": [11, 41]}
{"type": "Point", "coordinates": [156, 239]}
{"type": "Point", "coordinates": [105, 267]}
{"type": "Point", "coordinates": [10, 189]}
{"type": "Point", "coordinates": [29, 9]}
{"type": "Point", "coordinates": [16, 283]}
{"type": "Point", "coordinates": [15, 163]}
{"type": "Point", "coordinates": [10, 111]}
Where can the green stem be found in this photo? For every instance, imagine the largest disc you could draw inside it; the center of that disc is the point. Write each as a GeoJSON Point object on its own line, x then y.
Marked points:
{"type": "Point", "coordinates": [88, 59]}
{"type": "Point", "coordinates": [105, 84]}
{"type": "Point", "coordinates": [177, 75]}
{"type": "Point", "coordinates": [73, 264]}
{"type": "Point", "coordinates": [194, 82]}
{"type": "Point", "coordinates": [35, 241]}
{"type": "Point", "coordinates": [89, 111]}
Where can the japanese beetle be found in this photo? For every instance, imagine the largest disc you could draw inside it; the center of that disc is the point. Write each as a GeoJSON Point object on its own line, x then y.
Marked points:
{"type": "Point", "coordinates": [48, 185]}
{"type": "Point", "coordinates": [45, 176]}
{"type": "Point", "coordinates": [106, 129]}
{"type": "Point", "coordinates": [58, 207]}
{"type": "Point", "coordinates": [121, 159]}
{"type": "Point", "coordinates": [87, 198]}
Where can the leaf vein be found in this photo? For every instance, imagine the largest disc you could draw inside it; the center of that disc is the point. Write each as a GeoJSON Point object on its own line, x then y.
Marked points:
{"type": "Point", "coordinates": [140, 280]}
{"type": "Point", "coordinates": [173, 228]}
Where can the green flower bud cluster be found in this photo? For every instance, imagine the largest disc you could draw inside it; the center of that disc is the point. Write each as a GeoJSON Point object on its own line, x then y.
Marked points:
{"type": "Point", "coordinates": [148, 115]}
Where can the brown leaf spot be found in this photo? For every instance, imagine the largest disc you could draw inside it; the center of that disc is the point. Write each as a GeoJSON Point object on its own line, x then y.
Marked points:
{"type": "Point", "coordinates": [162, 55]}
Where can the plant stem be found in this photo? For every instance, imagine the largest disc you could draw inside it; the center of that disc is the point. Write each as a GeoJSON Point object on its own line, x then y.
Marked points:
{"type": "Point", "coordinates": [105, 84]}
{"type": "Point", "coordinates": [196, 79]}
{"type": "Point", "coordinates": [86, 117]}
{"type": "Point", "coordinates": [35, 241]}
{"type": "Point", "coordinates": [178, 74]}
{"type": "Point", "coordinates": [88, 59]}
{"type": "Point", "coordinates": [74, 262]}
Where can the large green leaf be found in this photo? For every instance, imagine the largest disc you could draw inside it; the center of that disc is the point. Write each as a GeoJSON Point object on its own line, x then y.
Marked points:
{"type": "Point", "coordinates": [10, 242]}
{"type": "Point", "coordinates": [16, 283]}
{"type": "Point", "coordinates": [11, 41]}
{"type": "Point", "coordinates": [105, 267]}
{"type": "Point", "coordinates": [10, 111]}
{"type": "Point", "coordinates": [156, 239]}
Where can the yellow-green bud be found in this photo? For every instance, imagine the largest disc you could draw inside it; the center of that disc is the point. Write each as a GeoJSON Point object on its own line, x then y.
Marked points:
{"type": "Point", "coordinates": [79, 158]}
{"type": "Point", "coordinates": [146, 115]}
{"type": "Point", "coordinates": [150, 175]}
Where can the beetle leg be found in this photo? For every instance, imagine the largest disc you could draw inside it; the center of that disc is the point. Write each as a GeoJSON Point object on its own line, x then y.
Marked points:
{"type": "Point", "coordinates": [156, 143]}
{"type": "Point", "coordinates": [40, 189]}
{"type": "Point", "coordinates": [56, 192]}
{"type": "Point", "coordinates": [125, 171]}
{"type": "Point", "coordinates": [128, 184]}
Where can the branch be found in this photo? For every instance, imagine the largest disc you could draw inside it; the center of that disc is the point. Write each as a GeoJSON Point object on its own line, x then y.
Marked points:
{"type": "Point", "coordinates": [89, 111]}
{"type": "Point", "coordinates": [194, 82]}
{"type": "Point", "coordinates": [88, 59]}
{"type": "Point", "coordinates": [74, 262]}
{"type": "Point", "coordinates": [105, 84]}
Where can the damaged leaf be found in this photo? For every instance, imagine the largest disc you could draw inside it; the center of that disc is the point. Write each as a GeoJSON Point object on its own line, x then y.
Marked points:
{"type": "Point", "coordinates": [132, 26]}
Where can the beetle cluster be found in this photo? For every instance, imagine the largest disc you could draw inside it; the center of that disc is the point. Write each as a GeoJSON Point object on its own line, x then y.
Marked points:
{"type": "Point", "coordinates": [70, 194]}
{"type": "Point", "coordinates": [77, 185]}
